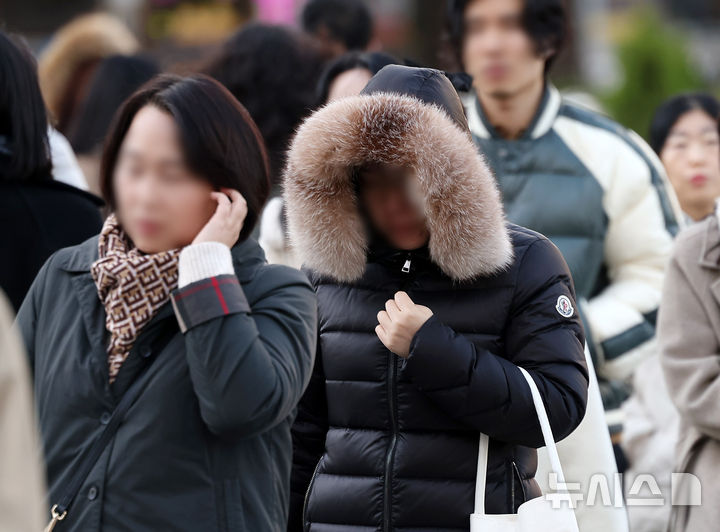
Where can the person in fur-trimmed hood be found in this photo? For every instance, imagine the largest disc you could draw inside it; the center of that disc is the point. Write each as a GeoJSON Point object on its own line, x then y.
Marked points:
{"type": "Point", "coordinates": [428, 302]}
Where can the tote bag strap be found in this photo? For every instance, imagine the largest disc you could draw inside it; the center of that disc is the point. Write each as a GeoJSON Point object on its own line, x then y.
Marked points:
{"type": "Point", "coordinates": [547, 436]}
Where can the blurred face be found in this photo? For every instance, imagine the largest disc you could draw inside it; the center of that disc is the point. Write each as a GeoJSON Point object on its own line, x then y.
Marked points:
{"type": "Point", "coordinates": [387, 199]}
{"type": "Point", "coordinates": [160, 203]}
{"type": "Point", "coordinates": [349, 83]}
{"type": "Point", "coordinates": [691, 156]}
{"type": "Point", "coordinates": [497, 51]}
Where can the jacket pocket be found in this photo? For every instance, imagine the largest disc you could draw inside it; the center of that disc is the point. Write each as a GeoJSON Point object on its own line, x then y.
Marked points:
{"type": "Point", "coordinates": [306, 523]}
{"type": "Point", "coordinates": [230, 515]}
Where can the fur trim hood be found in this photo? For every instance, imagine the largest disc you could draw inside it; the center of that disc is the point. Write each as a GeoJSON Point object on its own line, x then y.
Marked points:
{"type": "Point", "coordinates": [463, 209]}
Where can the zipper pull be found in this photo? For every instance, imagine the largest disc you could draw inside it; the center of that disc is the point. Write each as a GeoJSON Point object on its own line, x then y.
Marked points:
{"type": "Point", "coordinates": [406, 266]}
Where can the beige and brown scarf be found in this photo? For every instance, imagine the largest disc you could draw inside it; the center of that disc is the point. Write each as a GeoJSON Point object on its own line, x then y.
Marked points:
{"type": "Point", "coordinates": [132, 286]}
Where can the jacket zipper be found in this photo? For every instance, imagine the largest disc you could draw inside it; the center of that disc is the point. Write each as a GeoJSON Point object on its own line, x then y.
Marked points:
{"type": "Point", "coordinates": [392, 405]}
{"type": "Point", "coordinates": [512, 488]}
{"type": "Point", "coordinates": [516, 473]}
{"type": "Point", "coordinates": [392, 392]}
{"type": "Point", "coordinates": [306, 524]}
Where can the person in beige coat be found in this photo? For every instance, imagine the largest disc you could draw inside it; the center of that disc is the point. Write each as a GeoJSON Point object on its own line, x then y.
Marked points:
{"type": "Point", "coordinates": [22, 484]}
{"type": "Point", "coordinates": [689, 334]}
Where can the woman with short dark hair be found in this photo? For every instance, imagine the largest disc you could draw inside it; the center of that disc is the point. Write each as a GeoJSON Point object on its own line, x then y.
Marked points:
{"type": "Point", "coordinates": [684, 133]}
{"type": "Point", "coordinates": [167, 356]}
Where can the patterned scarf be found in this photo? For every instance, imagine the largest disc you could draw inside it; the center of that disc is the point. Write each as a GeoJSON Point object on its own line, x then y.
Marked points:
{"type": "Point", "coordinates": [132, 286]}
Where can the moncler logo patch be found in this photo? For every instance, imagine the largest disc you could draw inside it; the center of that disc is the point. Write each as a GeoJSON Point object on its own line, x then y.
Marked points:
{"type": "Point", "coordinates": [564, 307]}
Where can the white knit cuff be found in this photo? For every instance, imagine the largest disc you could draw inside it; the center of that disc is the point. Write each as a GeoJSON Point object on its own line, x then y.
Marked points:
{"type": "Point", "coordinates": [204, 260]}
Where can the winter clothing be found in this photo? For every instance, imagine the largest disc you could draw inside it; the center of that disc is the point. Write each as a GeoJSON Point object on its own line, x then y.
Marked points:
{"type": "Point", "coordinates": [65, 165]}
{"type": "Point", "coordinates": [649, 440]}
{"type": "Point", "coordinates": [132, 286]}
{"type": "Point", "coordinates": [273, 235]}
{"type": "Point", "coordinates": [22, 490]}
{"type": "Point", "coordinates": [600, 194]}
{"type": "Point", "coordinates": [587, 452]}
{"type": "Point", "coordinates": [388, 444]}
{"type": "Point", "coordinates": [689, 335]}
{"type": "Point", "coordinates": [39, 218]}
{"type": "Point", "coordinates": [207, 444]}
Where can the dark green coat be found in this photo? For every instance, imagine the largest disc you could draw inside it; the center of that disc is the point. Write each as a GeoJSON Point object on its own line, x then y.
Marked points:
{"type": "Point", "coordinates": [207, 445]}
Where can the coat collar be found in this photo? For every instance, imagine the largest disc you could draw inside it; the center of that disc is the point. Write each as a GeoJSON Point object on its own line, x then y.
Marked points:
{"type": "Point", "coordinates": [541, 123]}
{"type": "Point", "coordinates": [710, 252]}
{"type": "Point", "coordinates": [247, 256]}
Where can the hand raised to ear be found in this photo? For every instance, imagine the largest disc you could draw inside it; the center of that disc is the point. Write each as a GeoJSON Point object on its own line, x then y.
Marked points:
{"type": "Point", "coordinates": [399, 322]}
{"type": "Point", "coordinates": [227, 222]}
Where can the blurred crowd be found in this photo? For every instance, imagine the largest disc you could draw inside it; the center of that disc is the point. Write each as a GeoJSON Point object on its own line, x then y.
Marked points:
{"type": "Point", "coordinates": [636, 223]}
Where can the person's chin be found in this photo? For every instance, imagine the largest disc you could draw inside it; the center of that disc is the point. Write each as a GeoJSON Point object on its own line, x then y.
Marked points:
{"type": "Point", "coordinates": [701, 195]}
{"type": "Point", "coordinates": [409, 243]}
{"type": "Point", "coordinates": [496, 86]}
{"type": "Point", "coordinates": [150, 246]}
{"type": "Point", "coordinates": [500, 91]}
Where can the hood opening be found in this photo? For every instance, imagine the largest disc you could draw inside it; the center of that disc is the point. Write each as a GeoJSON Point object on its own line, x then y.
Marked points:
{"type": "Point", "coordinates": [468, 233]}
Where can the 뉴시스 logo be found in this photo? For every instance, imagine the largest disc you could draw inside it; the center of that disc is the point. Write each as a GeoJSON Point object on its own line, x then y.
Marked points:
{"type": "Point", "coordinates": [685, 490]}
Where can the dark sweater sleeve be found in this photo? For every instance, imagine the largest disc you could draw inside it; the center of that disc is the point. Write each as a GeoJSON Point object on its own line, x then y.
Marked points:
{"type": "Point", "coordinates": [486, 390]}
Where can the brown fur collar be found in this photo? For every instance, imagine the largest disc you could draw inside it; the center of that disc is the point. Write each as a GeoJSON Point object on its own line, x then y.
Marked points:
{"type": "Point", "coordinates": [468, 236]}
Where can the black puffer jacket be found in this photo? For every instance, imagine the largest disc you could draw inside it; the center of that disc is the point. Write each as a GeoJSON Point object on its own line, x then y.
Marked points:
{"type": "Point", "coordinates": [386, 444]}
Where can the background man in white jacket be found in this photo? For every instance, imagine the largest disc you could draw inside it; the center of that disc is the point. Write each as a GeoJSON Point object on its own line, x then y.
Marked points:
{"type": "Point", "coordinates": [590, 185]}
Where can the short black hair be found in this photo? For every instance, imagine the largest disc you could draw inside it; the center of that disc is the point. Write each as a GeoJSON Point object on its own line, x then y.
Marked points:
{"type": "Point", "coordinates": [371, 61]}
{"type": "Point", "coordinates": [115, 78]}
{"type": "Point", "coordinates": [545, 21]}
{"type": "Point", "coordinates": [347, 21]}
{"type": "Point", "coordinates": [24, 145]}
{"type": "Point", "coordinates": [668, 113]}
{"type": "Point", "coordinates": [273, 71]}
{"type": "Point", "coordinates": [220, 141]}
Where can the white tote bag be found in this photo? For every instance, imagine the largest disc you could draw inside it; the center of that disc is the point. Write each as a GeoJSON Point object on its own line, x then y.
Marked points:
{"type": "Point", "coordinates": [535, 515]}
{"type": "Point", "coordinates": [585, 453]}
